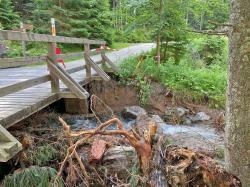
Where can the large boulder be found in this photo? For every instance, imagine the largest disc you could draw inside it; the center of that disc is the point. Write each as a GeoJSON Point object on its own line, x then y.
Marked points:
{"type": "Point", "coordinates": [133, 112]}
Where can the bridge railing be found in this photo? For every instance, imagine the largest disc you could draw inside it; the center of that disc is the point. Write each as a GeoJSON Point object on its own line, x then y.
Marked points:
{"type": "Point", "coordinates": [56, 72]}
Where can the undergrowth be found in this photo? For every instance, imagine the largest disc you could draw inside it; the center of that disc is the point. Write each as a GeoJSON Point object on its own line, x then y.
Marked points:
{"type": "Point", "coordinates": [34, 177]}
{"type": "Point", "coordinates": [191, 78]}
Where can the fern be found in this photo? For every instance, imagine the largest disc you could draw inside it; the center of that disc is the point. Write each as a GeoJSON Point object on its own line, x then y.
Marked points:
{"type": "Point", "coordinates": [34, 176]}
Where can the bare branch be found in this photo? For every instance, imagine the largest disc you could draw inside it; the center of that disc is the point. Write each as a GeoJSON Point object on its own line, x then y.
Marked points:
{"type": "Point", "coordinates": [209, 32]}
{"type": "Point", "coordinates": [220, 24]}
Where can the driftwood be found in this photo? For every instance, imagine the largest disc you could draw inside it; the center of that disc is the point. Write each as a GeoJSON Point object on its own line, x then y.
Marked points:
{"type": "Point", "coordinates": [118, 158]}
{"type": "Point", "coordinates": [158, 176]}
{"type": "Point", "coordinates": [142, 144]}
{"type": "Point", "coordinates": [161, 166]}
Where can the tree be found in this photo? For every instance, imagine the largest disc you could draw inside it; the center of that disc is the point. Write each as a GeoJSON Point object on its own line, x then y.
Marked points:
{"type": "Point", "coordinates": [237, 152]}
{"type": "Point", "coordinates": [79, 18]}
{"type": "Point", "coordinates": [8, 18]}
{"type": "Point", "coordinates": [166, 24]}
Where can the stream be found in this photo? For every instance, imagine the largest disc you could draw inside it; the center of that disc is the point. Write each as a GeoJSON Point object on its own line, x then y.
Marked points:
{"type": "Point", "coordinates": [199, 137]}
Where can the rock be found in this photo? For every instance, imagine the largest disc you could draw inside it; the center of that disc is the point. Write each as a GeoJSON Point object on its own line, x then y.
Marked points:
{"type": "Point", "coordinates": [187, 121]}
{"type": "Point", "coordinates": [201, 116]}
{"type": "Point", "coordinates": [133, 112]}
{"type": "Point", "coordinates": [157, 119]}
{"type": "Point", "coordinates": [170, 111]}
{"type": "Point", "coordinates": [176, 111]}
{"type": "Point", "coordinates": [180, 112]}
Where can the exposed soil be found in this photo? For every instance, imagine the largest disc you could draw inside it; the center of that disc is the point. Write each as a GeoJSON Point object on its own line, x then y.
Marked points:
{"type": "Point", "coordinates": [118, 96]}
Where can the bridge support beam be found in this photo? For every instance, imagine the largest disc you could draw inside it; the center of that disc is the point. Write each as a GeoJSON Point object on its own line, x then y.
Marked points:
{"type": "Point", "coordinates": [76, 106]}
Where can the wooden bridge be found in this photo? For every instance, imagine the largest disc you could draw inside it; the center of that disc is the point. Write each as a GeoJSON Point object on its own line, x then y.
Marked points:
{"type": "Point", "coordinates": [24, 91]}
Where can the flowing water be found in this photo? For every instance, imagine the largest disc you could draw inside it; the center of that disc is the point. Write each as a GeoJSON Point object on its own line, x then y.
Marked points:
{"type": "Point", "coordinates": [197, 136]}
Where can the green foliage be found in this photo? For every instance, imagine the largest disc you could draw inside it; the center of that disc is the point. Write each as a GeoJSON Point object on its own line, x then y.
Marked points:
{"type": "Point", "coordinates": [144, 90]}
{"type": "Point", "coordinates": [198, 13]}
{"type": "Point", "coordinates": [34, 177]}
{"type": "Point", "coordinates": [129, 75]}
{"type": "Point", "coordinates": [134, 179]}
{"type": "Point", "coordinates": [8, 18]}
{"type": "Point", "coordinates": [184, 79]}
{"type": "Point", "coordinates": [79, 18]}
{"type": "Point", "coordinates": [208, 49]}
{"type": "Point", "coordinates": [119, 45]}
{"type": "Point", "coordinates": [43, 155]}
{"type": "Point", "coordinates": [219, 153]}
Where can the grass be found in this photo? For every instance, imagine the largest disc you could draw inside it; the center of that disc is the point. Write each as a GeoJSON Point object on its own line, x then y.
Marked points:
{"type": "Point", "coordinates": [199, 75]}
{"type": "Point", "coordinates": [186, 79]}
{"type": "Point", "coordinates": [119, 45]}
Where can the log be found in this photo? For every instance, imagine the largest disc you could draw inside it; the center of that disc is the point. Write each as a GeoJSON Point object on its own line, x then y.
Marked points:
{"type": "Point", "coordinates": [157, 176]}
{"type": "Point", "coordinates": [118, 159]}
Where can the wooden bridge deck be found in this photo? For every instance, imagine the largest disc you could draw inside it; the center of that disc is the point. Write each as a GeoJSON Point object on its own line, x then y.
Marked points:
{"type": "Point", "coordinates": [16, 106]}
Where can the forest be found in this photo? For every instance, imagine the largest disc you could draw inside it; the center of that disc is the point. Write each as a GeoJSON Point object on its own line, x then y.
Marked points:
{"type": "Point", "coordinates": [175, 114]}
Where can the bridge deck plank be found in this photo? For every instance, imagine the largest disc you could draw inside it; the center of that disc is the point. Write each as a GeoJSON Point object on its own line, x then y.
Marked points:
{"type": "Point", "coordinates": [21, 104]}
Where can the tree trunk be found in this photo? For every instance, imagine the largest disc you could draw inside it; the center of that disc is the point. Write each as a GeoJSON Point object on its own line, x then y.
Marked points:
{"type": "Point", "coordinates": [158, 49]}
{"type": "Point", "coordinates": [158, 38]}
{"type": "Point", "coordinates": [237, 153]}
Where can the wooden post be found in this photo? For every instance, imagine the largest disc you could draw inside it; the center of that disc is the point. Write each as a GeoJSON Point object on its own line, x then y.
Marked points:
{"type": "Point", "coordinates": [76, 106]}
{"type": "Point", "coordinates": [86, 56]}
{"type": "Point", "coordinates": [104, 64]}
{"type": "Point", "coordinates": [23, 42]}
{"type": "Point", "coordinates": [55, 87]}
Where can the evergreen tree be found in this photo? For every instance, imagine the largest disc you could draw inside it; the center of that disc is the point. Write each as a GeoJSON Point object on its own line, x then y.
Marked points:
{"type": "Point", "coordinates": [79, 18]}
{"type": "Point", "coordinates": [8, 18]}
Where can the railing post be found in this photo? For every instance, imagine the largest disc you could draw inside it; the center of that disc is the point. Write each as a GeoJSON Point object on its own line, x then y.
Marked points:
{"type": "Point", "coordinates": [86, 57]}
{"type": "Point", "coordinates": [23, 42]}
{"type": "Point", "coordinates": [55, 86]}
{"type": "Point", "coordinates": [104, 64]}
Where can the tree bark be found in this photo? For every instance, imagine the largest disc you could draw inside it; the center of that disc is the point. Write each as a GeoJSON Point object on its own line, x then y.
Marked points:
{"type": "Point", "coordinates": [158, 38]}
{"type": "Point", "coordinates": [237, 152]}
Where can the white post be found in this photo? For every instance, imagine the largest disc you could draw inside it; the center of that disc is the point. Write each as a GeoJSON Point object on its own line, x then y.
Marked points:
{"type": "Point", "coordinates": [53, 27]}
{"type": "Point", "coordinates": [23, 42]}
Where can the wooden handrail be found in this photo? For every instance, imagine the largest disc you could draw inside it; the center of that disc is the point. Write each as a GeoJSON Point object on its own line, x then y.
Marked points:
{"type": "Point", "coordinates": [33, 37]}
{"type": "Point", "coordinates": [24, 61]}
{"type": "Point", "coordinates": [56, 72]}
{"type": "Point", "coordinates": [34, 82]}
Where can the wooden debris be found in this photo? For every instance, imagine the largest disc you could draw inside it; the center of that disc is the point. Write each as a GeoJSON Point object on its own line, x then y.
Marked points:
{"type": "Point", "coordinates": [98, 149]}
{"type": "Point", "coordinates": [118, 159]}
{"type": "Point", "coordinates": [188, 168]}
{"type": "Point", "coordinates": [141, 144]}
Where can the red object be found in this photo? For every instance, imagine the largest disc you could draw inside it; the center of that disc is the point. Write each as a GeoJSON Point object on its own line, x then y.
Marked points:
{"type": "Point", "coordinates": [58, 52]}
{"type": "Point", "coordinates": [98, 149]}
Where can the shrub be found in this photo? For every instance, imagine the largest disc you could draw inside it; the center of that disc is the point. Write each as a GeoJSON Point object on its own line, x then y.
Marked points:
{"type": "Point", "coordinates": [209, 49]}
{"type": "Point", "coordinates": [184, 79]}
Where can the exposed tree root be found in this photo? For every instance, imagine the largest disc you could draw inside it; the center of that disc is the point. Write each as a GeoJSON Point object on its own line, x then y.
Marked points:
{"type": "Point", "coordinates": [161, 166]}
{"type": "Point", "coordinates": [142, 145]}
{"type": "Point", "coordinates": [185, 167]}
